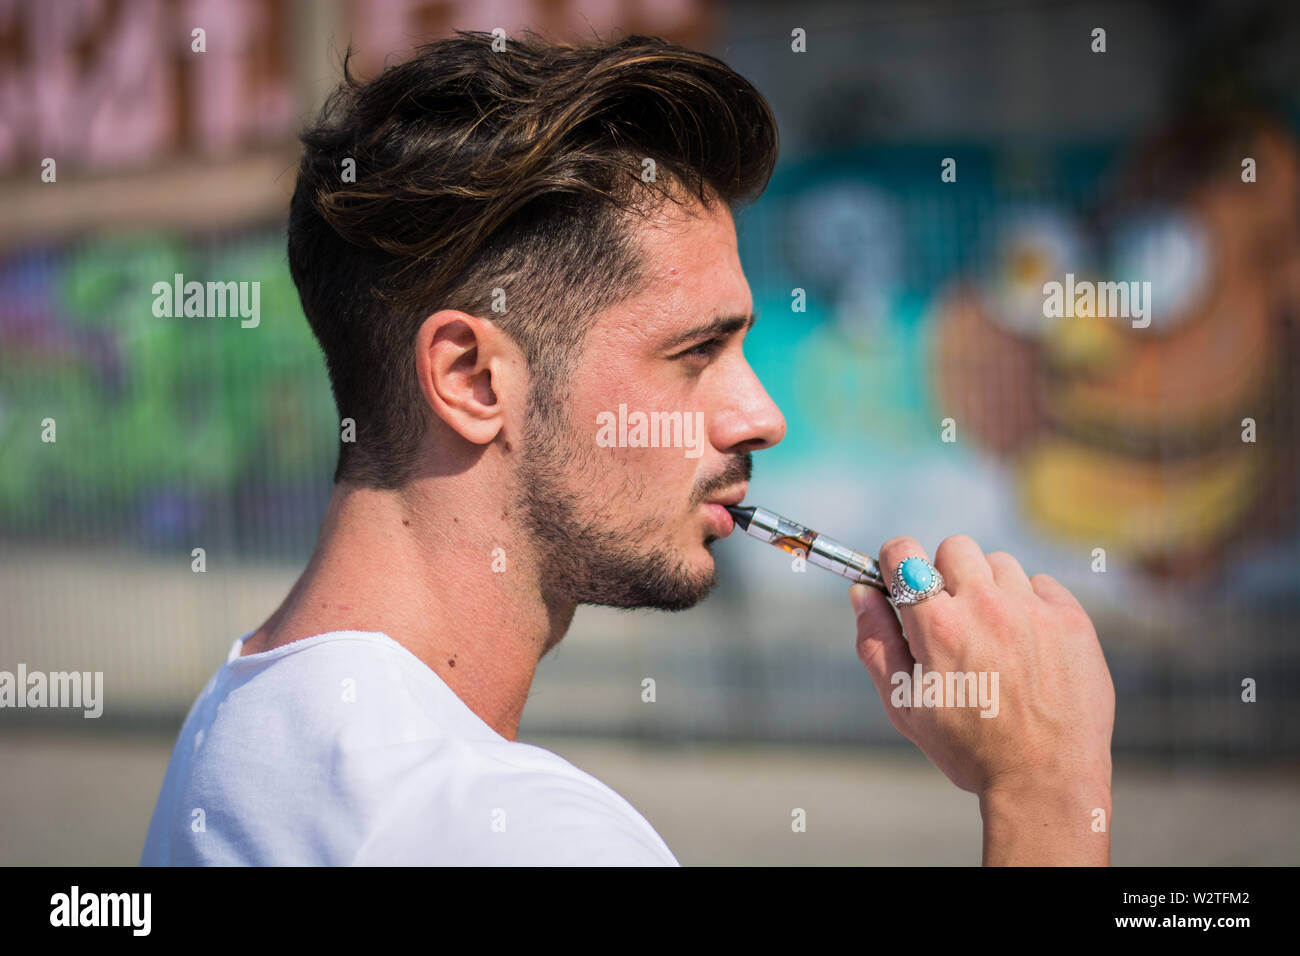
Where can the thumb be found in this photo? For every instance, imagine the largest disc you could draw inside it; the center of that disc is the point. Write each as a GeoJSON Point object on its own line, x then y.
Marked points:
{"type": "Point", "coordinates": [881, 646]}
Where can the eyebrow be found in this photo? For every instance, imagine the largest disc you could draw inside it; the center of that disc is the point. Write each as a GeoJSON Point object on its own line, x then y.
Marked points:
{"type": "Point", "coordinates": [721, 326]}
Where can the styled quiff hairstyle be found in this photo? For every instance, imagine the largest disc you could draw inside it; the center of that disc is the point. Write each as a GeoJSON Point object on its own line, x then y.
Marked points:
{"type": "Point", "coordinates": [518, 170]}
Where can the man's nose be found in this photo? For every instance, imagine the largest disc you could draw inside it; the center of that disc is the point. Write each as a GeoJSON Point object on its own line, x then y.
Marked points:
{"type": "Point", "coordinates": [749, 419]}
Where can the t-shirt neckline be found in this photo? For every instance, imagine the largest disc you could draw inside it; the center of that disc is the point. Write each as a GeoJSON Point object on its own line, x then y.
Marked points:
{"type": "Point", "coordinates": [235, 659]}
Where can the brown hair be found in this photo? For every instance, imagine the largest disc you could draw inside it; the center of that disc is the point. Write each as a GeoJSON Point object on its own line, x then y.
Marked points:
{"type": "Point", "coordinates": [479, 170]}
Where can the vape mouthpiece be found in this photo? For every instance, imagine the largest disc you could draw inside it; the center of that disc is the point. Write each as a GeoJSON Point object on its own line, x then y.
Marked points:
{"type": "Point", "coordinates": [742, 515]}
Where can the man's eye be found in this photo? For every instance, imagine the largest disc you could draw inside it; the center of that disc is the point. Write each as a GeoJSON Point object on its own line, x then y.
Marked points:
{"type": "Point", "coordinates": [703, 350]}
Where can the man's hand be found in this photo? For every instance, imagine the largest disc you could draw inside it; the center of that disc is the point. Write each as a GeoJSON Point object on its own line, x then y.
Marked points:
{"type": "Point", "coordinates": [1040, 762]}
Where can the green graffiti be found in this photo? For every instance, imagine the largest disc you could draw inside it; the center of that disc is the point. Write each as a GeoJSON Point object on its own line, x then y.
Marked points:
{"type": "Point", "coordinates": [146, 405]}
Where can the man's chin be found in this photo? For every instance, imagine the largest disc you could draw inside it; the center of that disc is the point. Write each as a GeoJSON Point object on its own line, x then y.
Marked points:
{"type": "Point", "coordinates": [692, 587]}
{"type": "Point", "coordinates": [684, 598]}
{"type": "Point", "coordinates": [678, 590]}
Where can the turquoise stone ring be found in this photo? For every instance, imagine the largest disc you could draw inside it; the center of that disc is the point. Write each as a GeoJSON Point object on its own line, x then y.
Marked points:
{"type": "Point", "coordinates": [915, 580]}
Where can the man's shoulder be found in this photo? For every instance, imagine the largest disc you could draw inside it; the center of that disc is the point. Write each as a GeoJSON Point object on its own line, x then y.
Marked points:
{"type": "Point", "coordinates": [359, 741]}
{"type": "Point", "coordinates": [510, 803]}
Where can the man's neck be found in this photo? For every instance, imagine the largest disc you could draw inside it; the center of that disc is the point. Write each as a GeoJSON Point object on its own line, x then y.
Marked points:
{"type": "Point", "coordinates": [422, 566]}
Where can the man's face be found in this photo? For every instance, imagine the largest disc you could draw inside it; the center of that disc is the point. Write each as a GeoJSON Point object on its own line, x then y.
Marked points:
{"type": "Point", "coordinates": [618, 521]}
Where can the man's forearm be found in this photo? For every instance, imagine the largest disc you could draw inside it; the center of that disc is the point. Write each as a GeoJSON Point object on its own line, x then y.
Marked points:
{"type": "Point", "coordinates": [1047, 824]}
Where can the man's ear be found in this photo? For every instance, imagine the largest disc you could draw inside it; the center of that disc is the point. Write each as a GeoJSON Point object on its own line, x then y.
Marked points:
{"type": "Point", "coordinates": [468, 369]}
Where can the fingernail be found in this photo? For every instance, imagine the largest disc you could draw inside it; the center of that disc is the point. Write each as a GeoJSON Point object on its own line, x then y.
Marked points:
{"type": "Point", "coordinates": [858, 598]}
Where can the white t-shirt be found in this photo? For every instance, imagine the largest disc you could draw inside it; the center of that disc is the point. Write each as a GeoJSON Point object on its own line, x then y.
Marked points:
{"type": "Point", "coordinates": [345, 748]}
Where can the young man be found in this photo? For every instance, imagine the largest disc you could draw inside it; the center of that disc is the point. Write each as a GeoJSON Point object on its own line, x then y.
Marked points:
{"type": "Point", "coordinates": [531, 239]}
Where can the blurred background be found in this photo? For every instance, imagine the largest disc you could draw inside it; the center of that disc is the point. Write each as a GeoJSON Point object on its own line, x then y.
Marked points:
{"type": "Point", "coordinates": [1153, 471]}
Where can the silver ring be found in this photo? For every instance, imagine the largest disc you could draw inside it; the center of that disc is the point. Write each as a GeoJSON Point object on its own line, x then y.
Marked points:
{"type": "Point", "coordinates": [920, 582]}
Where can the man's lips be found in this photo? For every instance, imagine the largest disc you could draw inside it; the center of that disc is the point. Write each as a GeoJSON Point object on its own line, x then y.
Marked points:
{"type": "Point", "coordinates": [719, 516]}
{"type": "Point", "coordinates": [733, 497]}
